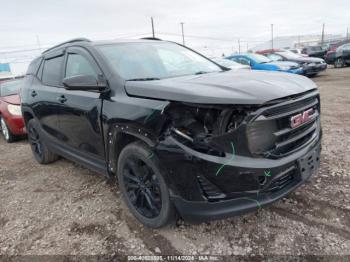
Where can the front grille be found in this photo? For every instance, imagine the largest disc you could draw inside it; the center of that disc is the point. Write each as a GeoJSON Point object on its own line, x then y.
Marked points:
{"type": "Point", "coordinates": [270, 133]}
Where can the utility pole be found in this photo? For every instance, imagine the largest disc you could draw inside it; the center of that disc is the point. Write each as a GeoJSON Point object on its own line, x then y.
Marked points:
{"type": "Point", "coordinates": [322, 37]}
{"type": "Point", "coordinates": [271, 36]}
{"type": "Point", "coordinates": [239, 46]}
{"type": "Point", "coordinates": [38, 42]}
{"type": "Point", "coordinates": [247, 47]}
{"type": "Point", "coordinates": [152, 26]}
{"type": "Point", "coordinates": [183, 35]}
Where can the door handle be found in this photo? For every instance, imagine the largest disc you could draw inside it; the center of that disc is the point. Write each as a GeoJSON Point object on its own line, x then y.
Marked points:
{"type": "Point", "coordinates": [33, 93]}
{"type": "Point", "coordinates": [62, 99]}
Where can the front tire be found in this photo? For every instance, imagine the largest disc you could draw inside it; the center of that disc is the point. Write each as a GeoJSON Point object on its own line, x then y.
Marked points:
{"type": "Point", "coordinates": [339, 62]}
{"type": "Point", "coordinates": [141, 181]}
{"type": "Point", "coordinates": [6, 132]}
{"type": "Point", "coordinates": [41, 152]}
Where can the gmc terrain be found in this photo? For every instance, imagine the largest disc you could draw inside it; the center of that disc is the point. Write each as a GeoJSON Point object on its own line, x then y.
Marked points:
{"type": "Point", "coordinates": [182, 134]}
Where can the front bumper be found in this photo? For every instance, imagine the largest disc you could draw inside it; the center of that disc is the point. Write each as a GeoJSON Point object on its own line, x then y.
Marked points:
{"type": "Point", "coordinates": [245, 172]}
{"type": "Point", "coordinates": [311, 70]}
{"type": "Point", "coordinates": [298, 71]}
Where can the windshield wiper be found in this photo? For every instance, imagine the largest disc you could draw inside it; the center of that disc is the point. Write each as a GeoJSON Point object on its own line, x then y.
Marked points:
{"type": "Point", "coordinates": [201, 72]}
{"type": "Point", "coordinates": [144, 79]}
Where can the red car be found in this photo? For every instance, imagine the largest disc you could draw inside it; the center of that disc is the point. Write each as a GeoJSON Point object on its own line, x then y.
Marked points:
{"type": "Point", "coordinates": [11, 120]}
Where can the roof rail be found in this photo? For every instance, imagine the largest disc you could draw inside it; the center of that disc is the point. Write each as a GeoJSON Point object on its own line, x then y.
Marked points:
{"type": "Point", "coordinates": [82, 39]}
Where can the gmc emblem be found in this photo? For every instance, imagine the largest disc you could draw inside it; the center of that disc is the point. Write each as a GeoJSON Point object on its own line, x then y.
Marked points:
{"type": "Point", "coordinates": [301, 118]}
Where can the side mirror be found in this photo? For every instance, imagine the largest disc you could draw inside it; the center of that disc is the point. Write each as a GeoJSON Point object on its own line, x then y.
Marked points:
{"type": "Point", "coordinates": [82, 82]}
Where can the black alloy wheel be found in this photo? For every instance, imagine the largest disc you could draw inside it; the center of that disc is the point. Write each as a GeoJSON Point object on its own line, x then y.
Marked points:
{"type": "Point", "coordinates": [34, 141]}
{"type": "Point", "coordinates": [41, 152]}
{"type": "Point", "coordinates": [339, 62]}
{"type": "Point", "coordinates": [142, 187]}
{"type": "Point", "coordinates": [141, 180]}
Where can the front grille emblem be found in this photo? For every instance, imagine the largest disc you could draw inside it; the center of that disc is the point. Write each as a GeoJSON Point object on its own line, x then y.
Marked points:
{"type": "Point", "coordinates": [301, 118]}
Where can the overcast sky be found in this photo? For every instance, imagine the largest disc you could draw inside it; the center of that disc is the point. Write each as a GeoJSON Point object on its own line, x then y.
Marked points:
{"type": "Point", "coordinates": [54, 21]}
{"type": "Point", "coordinates": [58, 20]}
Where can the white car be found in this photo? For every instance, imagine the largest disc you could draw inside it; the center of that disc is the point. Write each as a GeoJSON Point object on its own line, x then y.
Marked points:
{"type": "Point", "coordinates": [230, 64]}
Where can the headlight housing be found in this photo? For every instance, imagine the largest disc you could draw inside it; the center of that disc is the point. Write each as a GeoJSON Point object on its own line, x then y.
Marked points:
{"type": "Point", "coordinates": [14, 110]}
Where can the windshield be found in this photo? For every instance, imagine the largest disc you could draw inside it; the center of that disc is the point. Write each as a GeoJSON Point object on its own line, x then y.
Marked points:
{"type": "Point", "coordinates": [10, 88]}
{"type": "Point", "coordinates": [289, 55]}
{"type": "Point", "coordinates": [155, 60]}
{"type": "Point", "coordinates": [259, 58]}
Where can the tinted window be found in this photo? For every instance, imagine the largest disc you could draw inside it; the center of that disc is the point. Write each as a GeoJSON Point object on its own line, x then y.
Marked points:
{"type": "Point", "coordinates": [40, 71]}
{"type": "Point", "coordinates": [10, 88]}
{"type": "Point", "coordinates": [244, 61]}
{"type": "Point", "coordinates": [259, 58]}
{"type": "Point", "coordinates": [52, 71]}
{"type": "Point", "coordinates": [79, 65]}
{"type": "Point", "coordinates": [346, 47]}
{"type": "Point", "coordinates": [275, 57]}
{"type": "Point", "coordinates": [33, 66]}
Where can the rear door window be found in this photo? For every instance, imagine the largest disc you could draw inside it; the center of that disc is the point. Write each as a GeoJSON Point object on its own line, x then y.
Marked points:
{"type": "Point", "coordinates": [52, 71]}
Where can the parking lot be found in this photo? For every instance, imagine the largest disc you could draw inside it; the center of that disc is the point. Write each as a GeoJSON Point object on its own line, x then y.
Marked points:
{"type": "Point", "coordinates": [64, 209]}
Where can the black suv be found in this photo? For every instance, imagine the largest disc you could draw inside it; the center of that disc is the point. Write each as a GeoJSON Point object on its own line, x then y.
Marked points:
{"type": "Point", "coordinates": [181, 134]}
{"type": "Point", "coordinates": [314, 51]}
{"type": "Point", "coordinates": [342, 56]}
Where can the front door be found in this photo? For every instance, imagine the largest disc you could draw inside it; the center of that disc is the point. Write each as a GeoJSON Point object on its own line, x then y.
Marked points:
{"type": "Point", "coordinates": [80, 111]}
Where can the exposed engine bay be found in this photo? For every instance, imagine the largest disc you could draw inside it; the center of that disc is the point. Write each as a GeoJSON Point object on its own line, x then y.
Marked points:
{"type": "Point", "coordinates": [197, 125]}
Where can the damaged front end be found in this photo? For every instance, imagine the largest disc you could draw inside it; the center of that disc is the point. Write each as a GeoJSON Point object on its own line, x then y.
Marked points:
{"type": "Point", "coordinates": [222, 160]}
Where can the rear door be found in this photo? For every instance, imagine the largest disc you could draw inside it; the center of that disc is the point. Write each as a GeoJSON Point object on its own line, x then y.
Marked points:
{"type": "Point", "coordinates": [80, 111]}
{"type": "Point", "coordinates": [44, 91]}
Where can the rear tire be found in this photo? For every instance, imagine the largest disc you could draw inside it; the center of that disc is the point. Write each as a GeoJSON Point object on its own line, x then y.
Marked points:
{"type": "Point", "coordinates": [142, 184]}
{"type": "Point", "coordinates": [339, 62]}
{"type": "Point", "coordinates": [6, 132]}
{"type": "Point", "coordinates": [41, 152]}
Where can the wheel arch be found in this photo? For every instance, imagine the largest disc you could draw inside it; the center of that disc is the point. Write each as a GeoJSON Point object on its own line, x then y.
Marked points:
{"type": "Point", "coordinates": [121, 135]}
{"type": "Point", "coordinates": [27, 115]}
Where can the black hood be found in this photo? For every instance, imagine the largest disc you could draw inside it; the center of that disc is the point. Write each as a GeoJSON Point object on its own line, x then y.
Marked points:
{"type": "Point", "coordinates": [238, 87]}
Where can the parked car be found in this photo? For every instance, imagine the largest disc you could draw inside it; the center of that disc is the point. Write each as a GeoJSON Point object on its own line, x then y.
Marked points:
{"type": "Point", "coordinates": [297, 51]}
{"type": "Point", "coordinates": [311, 65]}
{"type": "Point", "coordinates": [181, 134]}
{"type": "Point", "coordinates": [342, 56]}
{"type": "Point", "coordinates": [260, 62]}
{"type": "Point", "coordinates": [11, 121]}
{"type": "Point", "coordinates": [330, 55]}
{"type": "Point", "coordinates": [230, 64]}
{"type": "Point", "coordinates": [314, 51]}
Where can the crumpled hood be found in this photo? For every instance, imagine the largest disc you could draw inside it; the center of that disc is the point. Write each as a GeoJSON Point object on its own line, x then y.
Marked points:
{"type": "Point", "coordinates": [238, 87]}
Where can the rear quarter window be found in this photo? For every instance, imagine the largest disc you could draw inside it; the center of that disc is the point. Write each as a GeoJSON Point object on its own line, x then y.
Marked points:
{"type": "Point", "coordinates": [33, 66]}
